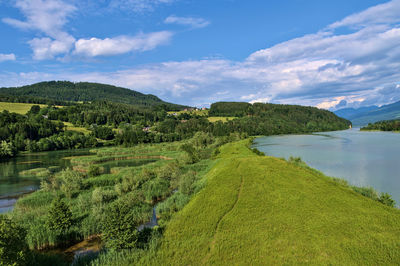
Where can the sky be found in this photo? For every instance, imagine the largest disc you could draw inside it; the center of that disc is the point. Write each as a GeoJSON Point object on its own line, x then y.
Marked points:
{"type": "Point", "coordinates": [331, 54]}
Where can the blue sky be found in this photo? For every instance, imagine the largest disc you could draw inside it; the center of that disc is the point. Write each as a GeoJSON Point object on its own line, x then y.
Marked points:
{"type": "Point", "coordinates": [330, 54]}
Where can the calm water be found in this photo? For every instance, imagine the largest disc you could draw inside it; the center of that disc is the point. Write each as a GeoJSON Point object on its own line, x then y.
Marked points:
{"type": "Point", "coordinates": [362, 158]}
{"type": "Point", "coordinates": [13, 185]}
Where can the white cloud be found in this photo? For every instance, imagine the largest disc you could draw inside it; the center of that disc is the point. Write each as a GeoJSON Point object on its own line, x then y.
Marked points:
{"type": "Point", "coordinates": [7, 57]}
{"type": "Point", "coordinates": [51, 16]}
{"type": "Point", "coordinates": [47, 16]}
{"type": "Point", "coordinates": [187, 21]}
{"type": "Point", "coordinates": [46, 48]}
{"type": "Point", "coordinates": [380, 14]}
{"type": "Point", "coordinates": [138, 6]}
{"type": "Point", "coordinates": [122, 44]}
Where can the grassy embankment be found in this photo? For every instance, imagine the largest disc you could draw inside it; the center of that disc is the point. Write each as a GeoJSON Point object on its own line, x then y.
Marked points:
{"type": "Point", "coordinates": [263, 210]}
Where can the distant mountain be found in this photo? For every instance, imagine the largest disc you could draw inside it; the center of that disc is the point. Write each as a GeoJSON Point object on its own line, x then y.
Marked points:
{"type": "Point", "coordinates": [364, 115]}
{"type": "Point", "coordinates": [350, 113]}
{"type": "Point", "coordinates": [86, 91]}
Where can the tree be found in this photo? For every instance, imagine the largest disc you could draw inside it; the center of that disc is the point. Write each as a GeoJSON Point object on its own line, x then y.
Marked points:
{"type": "Point", "coordinates": [59, 218]}
{"type": "Point", "coordinates": [13, 248]}
{"type": "Point", "coordinates": [120, 225]}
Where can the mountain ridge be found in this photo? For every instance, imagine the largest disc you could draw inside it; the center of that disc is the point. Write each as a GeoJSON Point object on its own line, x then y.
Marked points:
{"type": "Point", "coordinates": [371, 114]}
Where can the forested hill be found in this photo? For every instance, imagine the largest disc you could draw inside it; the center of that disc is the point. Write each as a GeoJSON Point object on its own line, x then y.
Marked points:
{"type": "Point", "coordinates": [86, 91]}
{"type": "Point", "coordinates": [269, 119]}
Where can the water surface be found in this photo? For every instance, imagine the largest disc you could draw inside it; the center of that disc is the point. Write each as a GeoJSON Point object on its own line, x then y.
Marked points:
{"type": "Point", "coordinates": [362, 158]}
{"type": "Point", "coordinates": [13, 185]}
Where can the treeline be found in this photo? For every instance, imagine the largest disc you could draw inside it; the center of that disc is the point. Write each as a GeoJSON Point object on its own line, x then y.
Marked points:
{"type": "Point", "coordinates": [86, 92]}
{"type": "Point", "coordinates": [388, 125]}
{"type": "Point", "coordinates": [30, 99]}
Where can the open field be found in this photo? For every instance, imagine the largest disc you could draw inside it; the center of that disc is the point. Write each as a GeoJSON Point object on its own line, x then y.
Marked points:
{"type": "Point", "coordinates": [258, 210]}
{"type": "Point", "coordinates": [20, 108]}
{"type": "Point", "coordinates": [194, 112]}
{"type": "Point", "coordinates": [214, 119]}
{"type": "Point", "coordinates": [71, 127]}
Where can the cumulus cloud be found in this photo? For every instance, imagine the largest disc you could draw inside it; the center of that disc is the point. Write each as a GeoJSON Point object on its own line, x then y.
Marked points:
{"type": "Point", "coordinates": [47, 16]}
{"type": "Point", "coordinates": [50, 17]}
{"type": "Point", "coordinates": [187, 21]}
{"type": "Point", "coordinates": [122, 44]}
{"type": "Point", "coordinates": [7, 57]}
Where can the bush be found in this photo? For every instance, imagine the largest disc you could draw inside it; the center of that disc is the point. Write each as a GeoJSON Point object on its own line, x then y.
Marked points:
{"type": "Point", "coordinates": [386, 199]}
{"type": "Point", "coordinates": [95, 170]}
{"type": "Point", "coordinates": [71, 182]}
{"type": "Point", "coordinates": [59, 218]}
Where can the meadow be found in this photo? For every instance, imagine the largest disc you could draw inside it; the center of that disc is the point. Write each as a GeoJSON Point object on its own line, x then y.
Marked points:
{"type": "Point", "coordinates": [19, 108]}
{"type": "Point", "coordinates": [214, 119]}
{"type": "Point", "coordinates": [260, 210]}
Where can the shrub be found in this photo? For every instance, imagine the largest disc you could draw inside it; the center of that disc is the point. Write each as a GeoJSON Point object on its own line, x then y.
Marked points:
{"type": "Point", "coordinates": [71, 182]}
{"type": "Point", "coordinates": [386, 199]}
{"type": "Point", "coordinates": [59, 218]}
{"type": "Point", "coordinates": [94, 170]}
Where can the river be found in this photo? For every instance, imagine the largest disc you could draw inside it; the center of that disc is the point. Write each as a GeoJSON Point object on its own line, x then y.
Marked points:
{"type": "Point", "coordinates": [360, 157]}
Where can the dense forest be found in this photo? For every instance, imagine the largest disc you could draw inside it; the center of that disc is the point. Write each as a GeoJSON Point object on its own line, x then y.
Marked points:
{"type": "Point", "coordinates": [85, 91]}
{"type": "Point", "coordinates": [388, 125]}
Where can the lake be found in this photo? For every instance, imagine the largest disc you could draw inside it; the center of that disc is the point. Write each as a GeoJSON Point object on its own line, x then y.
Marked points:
{"type": "Point", "coordinates": [360, 157]}
{"type": "Point", "coordinates": [12, 185]}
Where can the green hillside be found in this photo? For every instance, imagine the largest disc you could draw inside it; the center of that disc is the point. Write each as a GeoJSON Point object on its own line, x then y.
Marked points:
{"type": "Point", "coordinates": [258, 210]}
{"type": "Point", "coordinates": [85, 91]}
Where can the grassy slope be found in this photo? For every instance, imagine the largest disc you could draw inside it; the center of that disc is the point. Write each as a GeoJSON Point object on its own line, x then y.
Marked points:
{"type": "Point", "coordinates": [19, 108]}
{"type": "Point", "coordinates": [264, 210]}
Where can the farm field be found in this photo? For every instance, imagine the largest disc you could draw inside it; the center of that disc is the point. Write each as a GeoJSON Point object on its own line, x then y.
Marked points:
{"type": "Point", "coordinates": [19, 108]}
{"type": "Point", "coordinates": [259, 210]}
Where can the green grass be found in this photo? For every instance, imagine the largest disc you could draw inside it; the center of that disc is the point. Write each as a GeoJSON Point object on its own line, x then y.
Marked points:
{"type": "Point", "coordinates": [20, 108]}
{"type": "Point", "coordinates": [193, 112]}
{"type": "Point", "coordinates": [70, 127]}
{"type": "Point", "coordinates": [258, 210]}
{"type": "Point", "coordinates": [214, 119]}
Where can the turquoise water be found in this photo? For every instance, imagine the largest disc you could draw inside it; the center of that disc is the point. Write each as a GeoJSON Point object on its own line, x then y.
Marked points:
{"type": "Point", "coordinates": [362, 158]}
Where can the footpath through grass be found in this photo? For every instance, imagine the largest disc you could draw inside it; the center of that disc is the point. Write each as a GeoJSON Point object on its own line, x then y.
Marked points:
{"type": "Point", "coordinates": [263, 210]}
